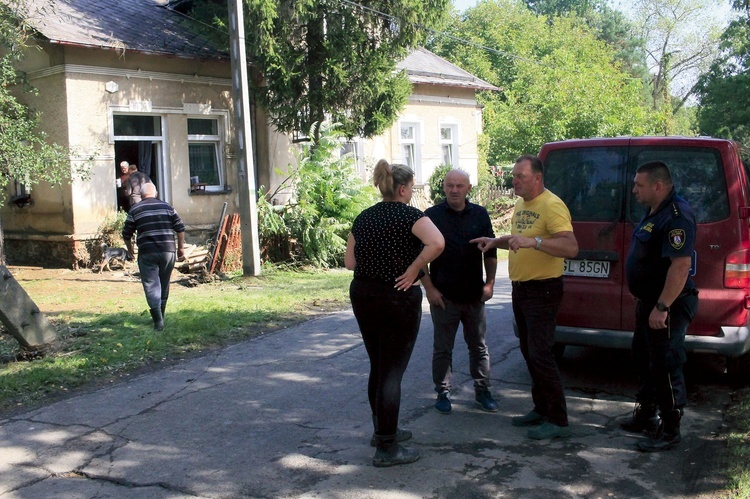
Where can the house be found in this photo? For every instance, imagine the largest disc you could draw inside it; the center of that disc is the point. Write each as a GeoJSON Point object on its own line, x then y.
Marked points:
{"type": "Point", "coordinates": [132, 81]}
{"type": "Point", "coordinates": [441, 122]}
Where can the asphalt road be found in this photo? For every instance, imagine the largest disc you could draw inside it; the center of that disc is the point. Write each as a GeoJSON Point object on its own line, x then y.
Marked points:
{"type": "Point", "coordinates": [286, 415]}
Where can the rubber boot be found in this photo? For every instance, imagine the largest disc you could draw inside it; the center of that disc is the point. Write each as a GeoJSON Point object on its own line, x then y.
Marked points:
{"type": "Point", "coordinates": [391, 453]}
{"type": "Point", "coordinates": [668, 435]}
{"type": "Point", "coordinates": [158, 319]}
{"type": "Point", "coordinates": [402, 435]}
{"type": "Point", "coordinates": [644, 419]}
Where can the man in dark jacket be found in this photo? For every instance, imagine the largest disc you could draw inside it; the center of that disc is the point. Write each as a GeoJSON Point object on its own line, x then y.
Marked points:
{"type": "Point", "coordinates": [155, 223]}
{"type": "Point", "coordinates": [456, 289]}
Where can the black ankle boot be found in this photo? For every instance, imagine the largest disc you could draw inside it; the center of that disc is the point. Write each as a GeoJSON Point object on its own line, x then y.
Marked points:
{"type": "Point", "coordinates": [402, 434]}
{"type": "Point", "coordinates": [643, 419]}
{"type": "Point", "coordinates": [668, 435]}
{"type": "Point", "coordinates": [391, 453]}
{"type": "Point", "coordinates": [158, 319]}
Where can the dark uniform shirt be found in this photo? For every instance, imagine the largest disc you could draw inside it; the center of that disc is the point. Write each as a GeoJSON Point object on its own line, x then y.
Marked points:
{"type": "Point", "coordinates": [457, 272]}
{"type": "Point", "coordinates": [384, 244]}
{"type": "Point", "coordinates": [666, 233]}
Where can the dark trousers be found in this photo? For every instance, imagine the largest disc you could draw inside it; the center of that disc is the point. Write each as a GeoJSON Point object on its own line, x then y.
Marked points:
{"type": "Point", "coordinates": [389, 322]}
{"type": "Point", "coordinates": [535, 306]}
{"type": "Point", "coordinates": [156, 270]}
{"type": "Point", "coordinates": [473, 319]}
{"type": "Point", "coordinates": [659, 354]}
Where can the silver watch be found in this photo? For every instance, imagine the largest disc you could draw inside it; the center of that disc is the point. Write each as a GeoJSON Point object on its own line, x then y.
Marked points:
{"type": "Point", "coordinates": [538, 242]}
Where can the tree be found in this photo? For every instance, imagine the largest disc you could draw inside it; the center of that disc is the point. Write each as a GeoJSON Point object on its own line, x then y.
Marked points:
{"type": "Point", "coordinates": [610, 26]}
{"type": "Point", "coordinates": [682, 40]}
{"type": "Point", "coordinates": [25, 154]}
{"type": "Point", "coordinates": [333, 59]}
{"type": "Point", "coordinates": [724, 90]}
{"type": "Point", "coordinates": [558, 84]}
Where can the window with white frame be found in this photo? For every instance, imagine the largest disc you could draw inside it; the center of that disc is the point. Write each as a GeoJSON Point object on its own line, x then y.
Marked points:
{"type": "Point", "coordinates": [353, 148]}
{"type": "Point", "coordinates": [449, 144]}
{"type": "Point", "coordinates": [409, 140]}
{"type": "Point", "coordinates": [204, 153]}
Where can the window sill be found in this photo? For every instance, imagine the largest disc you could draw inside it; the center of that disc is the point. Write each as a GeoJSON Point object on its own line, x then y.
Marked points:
{"type": "Point", "coordinates": [203, 192]}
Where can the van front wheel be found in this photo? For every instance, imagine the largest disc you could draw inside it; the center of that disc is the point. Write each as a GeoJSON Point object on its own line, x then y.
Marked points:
{"type": "Point", "coordinates": [738, 369]}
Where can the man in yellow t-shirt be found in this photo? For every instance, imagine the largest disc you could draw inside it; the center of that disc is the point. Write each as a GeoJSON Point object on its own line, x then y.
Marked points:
{"type": "Point", "coordinates": [541, 238]}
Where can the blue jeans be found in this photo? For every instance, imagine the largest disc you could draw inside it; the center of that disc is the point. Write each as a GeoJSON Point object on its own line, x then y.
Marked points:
{"type": "Point", "coordinates": [389, 322]}
{"type": "Point", "coordinates": [156, 270]}
{"type": "Point", "coordinates": [472, 317]}
{"type": "Point", "coordinates": [535, 306]}
{"type": "Point", "coordinates": [659, 354]}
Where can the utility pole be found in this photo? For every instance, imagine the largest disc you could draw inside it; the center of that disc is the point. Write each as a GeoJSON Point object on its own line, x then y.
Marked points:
{"type": "Point", "coordinates": [243, 138]}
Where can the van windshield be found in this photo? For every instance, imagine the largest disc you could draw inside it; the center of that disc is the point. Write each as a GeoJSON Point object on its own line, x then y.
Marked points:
{"type": "Point", "coordinates": [589, 180]}
{"type": "Point", "coordinates": [697, 174]}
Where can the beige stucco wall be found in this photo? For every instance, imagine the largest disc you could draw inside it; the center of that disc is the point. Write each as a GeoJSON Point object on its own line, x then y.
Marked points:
{"type": "Point", "coordinates": [77, 110]}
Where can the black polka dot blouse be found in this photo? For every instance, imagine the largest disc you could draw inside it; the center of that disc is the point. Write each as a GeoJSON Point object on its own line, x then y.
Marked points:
{"type": "Point", "coordinates": [384, 244]}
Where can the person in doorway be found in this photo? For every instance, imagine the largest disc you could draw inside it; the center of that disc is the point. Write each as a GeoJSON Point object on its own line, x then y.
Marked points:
{"type": "Point", "coordinates": [134, 185]}
{"type": "Point", "coordinates": [156, 224]}
{"type": "Point", "coordinates": [658, 271]}
{"type": "Point", "coordinates": [457, 290]}
{"type": "Point", "coordinates": [389, 245]}
{"type": "Point", "coordinates": [540, 240]}
{"type": "Point", "coordinates": [123, 199]}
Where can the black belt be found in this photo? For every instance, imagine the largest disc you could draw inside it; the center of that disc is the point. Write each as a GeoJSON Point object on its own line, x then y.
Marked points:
{"type": "Point", "coordinates": [518, 284]}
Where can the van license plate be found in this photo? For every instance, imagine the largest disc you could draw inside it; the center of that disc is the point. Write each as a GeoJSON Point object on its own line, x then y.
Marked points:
{"type": "Point", "coordinates": [587, 268]}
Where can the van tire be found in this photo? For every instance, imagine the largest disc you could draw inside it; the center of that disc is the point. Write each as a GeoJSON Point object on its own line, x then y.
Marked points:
{"type": "Point", "coordinates": [738, 370]}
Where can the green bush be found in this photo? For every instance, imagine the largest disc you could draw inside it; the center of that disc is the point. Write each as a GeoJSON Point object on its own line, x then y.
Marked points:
{"type": "Point", "coordinates": [436, 183]}
{"type": "Point", "coordinates": [327, 195]}
{"type": "Point", "coordinates": [110, 230]}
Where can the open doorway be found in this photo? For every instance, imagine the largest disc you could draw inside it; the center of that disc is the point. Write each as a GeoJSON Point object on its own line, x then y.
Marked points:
{"type": "Point", "coordinates": [145, 154]}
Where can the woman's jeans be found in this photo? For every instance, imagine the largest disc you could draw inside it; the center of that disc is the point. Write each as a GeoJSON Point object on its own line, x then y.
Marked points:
{"type": "Point", "coordinates": [389, 322]}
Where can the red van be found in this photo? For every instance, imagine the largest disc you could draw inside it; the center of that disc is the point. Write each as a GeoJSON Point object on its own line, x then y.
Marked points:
{"type": "Point", "coordinates": [595, 179]}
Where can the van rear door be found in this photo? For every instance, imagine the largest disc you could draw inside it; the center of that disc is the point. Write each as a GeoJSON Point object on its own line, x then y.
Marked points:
{"type": "Point", "coordinates": [589, 176]}
{"type": "Point", "coordinates": [702, 173]}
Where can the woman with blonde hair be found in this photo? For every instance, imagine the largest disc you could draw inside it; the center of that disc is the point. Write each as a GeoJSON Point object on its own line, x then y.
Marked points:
{"type": "Point", "coordinates": [390, 243]}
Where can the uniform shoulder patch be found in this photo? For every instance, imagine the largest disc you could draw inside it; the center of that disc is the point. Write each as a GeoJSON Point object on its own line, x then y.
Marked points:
{"type": "Point", "coordinates": [677, 238]}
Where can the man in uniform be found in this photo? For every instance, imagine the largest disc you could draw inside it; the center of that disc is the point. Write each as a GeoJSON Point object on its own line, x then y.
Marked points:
{"type": "Point", "coordinates": [658, 272]}
{"type": "Point", "coordinates": [540, 240]}
{"type": "Point", "coordinates": [457, 290]}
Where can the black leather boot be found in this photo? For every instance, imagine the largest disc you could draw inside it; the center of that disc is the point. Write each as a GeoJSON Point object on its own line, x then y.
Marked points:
{"type": "Point", "coordinates": [668, 435]}
{"type": "Point", "coordinates": [402, 435]}
{"type": "Point", "coordinates": [643, 419]}
{"type": "Point", "coordinates": [158, 319]}
{"type": "Point", "coordinates": [391, 453]}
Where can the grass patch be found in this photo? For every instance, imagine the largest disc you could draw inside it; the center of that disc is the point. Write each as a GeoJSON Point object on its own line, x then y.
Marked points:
{"type": "Point", "coordinates": [106, 333]}
{"type": "Point", "coordinates": [738, 445]}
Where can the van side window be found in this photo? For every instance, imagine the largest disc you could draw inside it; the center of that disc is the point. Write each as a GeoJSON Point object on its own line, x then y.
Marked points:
{"type": "Point", "coordinates": [698, 176]}
{"type": "Point", "coordinates": [588, 180]}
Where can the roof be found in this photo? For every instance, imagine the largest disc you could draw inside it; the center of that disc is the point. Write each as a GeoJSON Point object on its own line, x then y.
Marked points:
{"type": "Point", "coordinates": [149, 26]}
{"type": "Point", "coordinates": [424, 67]}
{"type": "Point", "coordinates": [130, 25]}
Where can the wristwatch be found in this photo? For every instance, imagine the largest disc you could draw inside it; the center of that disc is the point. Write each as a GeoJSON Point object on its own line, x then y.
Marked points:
{"type": "Point", "coordinates": [661, 307]}
{"type": "Point", "coordinates": [538, 242]}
